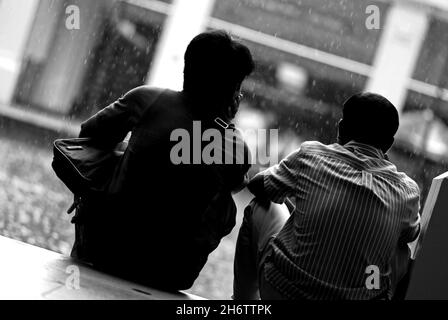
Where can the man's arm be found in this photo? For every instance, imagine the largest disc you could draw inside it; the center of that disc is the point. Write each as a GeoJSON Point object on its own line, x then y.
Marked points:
{"type": "Point", "coordinates": [236, 174]}
{"type": "Point", "coordinates": [402, 264]}
{"type": "Point", "coordinates": [411, 224]}
{"type": "Point", "coordinates": [278, 182]}
{"type": "Point", "coordinates": [111, 125]}
{"type": "Point", "coordinates": [256, 186]}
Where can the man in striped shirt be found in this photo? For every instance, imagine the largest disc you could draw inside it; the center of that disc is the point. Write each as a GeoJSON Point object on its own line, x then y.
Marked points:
{"type": "Point", "coordinates": [353, 216]}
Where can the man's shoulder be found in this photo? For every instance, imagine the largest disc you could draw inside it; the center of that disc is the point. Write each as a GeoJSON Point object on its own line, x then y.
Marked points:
{"type": "Point", "coordinates": [147, 92]}
{"type": "Point", "coordinates": [319, 147]}
{"type": "Point", "coordinates": [407, 182]}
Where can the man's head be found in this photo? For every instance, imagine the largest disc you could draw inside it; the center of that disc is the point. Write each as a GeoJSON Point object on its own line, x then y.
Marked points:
{"type": "Point", "coordinates": [215, 67]}
{"type": "Point", "coordinates": [370, 119]}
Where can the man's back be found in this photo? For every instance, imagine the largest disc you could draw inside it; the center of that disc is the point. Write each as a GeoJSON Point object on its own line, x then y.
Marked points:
{"type": "Point", "coordinates": [155, 226]}
{"type": "Point", "coordinates": [353, 209]}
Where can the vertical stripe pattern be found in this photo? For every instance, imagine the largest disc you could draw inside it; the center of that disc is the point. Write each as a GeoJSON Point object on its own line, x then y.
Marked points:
{"type": "Point", "coordinates": [352, 209]}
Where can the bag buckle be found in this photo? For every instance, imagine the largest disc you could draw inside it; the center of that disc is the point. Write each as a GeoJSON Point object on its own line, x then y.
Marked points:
{"type": "Point", "coordinates": [75, 205]}
{"type": "Point", "coordinates": [222, 123]}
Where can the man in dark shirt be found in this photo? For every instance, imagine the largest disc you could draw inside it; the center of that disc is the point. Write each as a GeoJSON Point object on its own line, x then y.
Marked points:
{"type": "Point", "coordinates": [353, 218]}
{"type": "Point", "coordinates": [160, 219]}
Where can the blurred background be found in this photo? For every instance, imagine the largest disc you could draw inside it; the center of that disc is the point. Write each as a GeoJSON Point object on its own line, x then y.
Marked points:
{"type": "Point", "coordinates": [57, 70]}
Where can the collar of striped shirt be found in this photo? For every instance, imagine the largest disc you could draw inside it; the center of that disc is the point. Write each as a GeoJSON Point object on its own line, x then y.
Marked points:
{"type": "Point", "coordinates": [366, 149]}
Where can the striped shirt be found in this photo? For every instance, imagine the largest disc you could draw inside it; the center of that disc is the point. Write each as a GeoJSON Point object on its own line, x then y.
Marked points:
{"type": "Point", "coordinates": [352, 210]}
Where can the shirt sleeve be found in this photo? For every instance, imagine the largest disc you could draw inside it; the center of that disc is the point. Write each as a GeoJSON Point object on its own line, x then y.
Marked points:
{"type": "Point", "coordinates": [280, 181]}
{"type": "Point", "coordinates": [409, 232]}
{"type": "Point", "coordinates": [411, 222]}
{"type": "Point", "coordinates": [111, 125]}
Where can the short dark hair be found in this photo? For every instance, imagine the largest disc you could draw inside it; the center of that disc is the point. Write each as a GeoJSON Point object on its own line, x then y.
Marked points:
{"type": "Point", "coordinates": [215, 65]}
{"type": "Point", "coordinates": [371, 119]}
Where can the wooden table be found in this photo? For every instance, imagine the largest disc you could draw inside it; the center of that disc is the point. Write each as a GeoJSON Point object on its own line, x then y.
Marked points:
{"type": "Point", "coordinates": [31, 273]}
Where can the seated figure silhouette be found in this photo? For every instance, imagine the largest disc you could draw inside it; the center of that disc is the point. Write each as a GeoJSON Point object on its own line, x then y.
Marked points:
{"type": "Point", "coordinates": [353, 216]}
{"type": "Point", "coordinates": [160, 219]}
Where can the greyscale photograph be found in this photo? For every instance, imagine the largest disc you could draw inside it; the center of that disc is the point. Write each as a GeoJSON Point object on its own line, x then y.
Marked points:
{"type": "Point", "coordinates": [244, 151]}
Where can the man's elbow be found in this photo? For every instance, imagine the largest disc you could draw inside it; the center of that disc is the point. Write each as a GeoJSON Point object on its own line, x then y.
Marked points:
{"type": "Point", "coordinates": [256, 186]}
